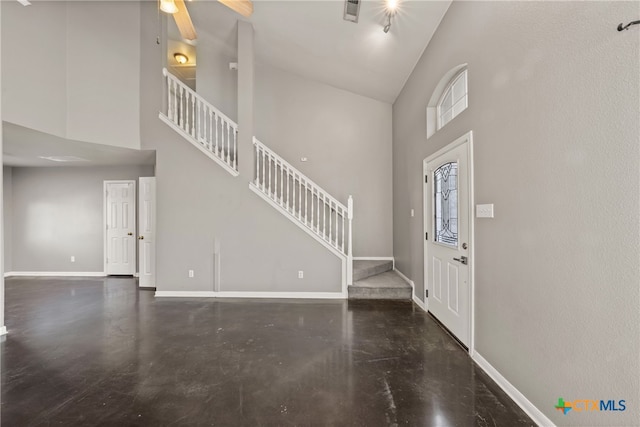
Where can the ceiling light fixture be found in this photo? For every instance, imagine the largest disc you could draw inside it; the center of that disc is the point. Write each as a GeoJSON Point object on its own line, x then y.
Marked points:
{"type": "Point", "coordinates": [391, 9]}
{"type": "Point", "coordinates": [388, 26]}
{"type": "Point", "coordinates": [392, 6]}
{"type": "Point", "coordinates": [168, 6]}
{"type": "Point", "coordinates": [181, 58]}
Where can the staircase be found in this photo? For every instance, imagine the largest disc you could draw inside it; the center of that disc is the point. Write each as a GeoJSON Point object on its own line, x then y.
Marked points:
{"type": "Point", "coordinates": [377, 280]}
{"type": "Point", "coordinates": [284, 187]}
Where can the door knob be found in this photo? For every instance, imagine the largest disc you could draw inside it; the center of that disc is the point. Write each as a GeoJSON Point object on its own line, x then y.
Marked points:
{"type": "Point", "coordinates": [462, 259]}
{"type": "Point", "coordinates": [129, 234]}
{"type": "Point", "coordinates": [141, 238]}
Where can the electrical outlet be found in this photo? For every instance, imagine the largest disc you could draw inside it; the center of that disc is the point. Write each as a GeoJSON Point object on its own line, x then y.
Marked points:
{"type": "Point", "coordinates": [300, 274]}
{"type": "Point", "coordinates": [73, 258]}
{"type": "Point", "coordinates": [190, 273]}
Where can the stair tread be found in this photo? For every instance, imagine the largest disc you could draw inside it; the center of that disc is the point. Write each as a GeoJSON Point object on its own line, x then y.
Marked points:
{"type": "Point", "coordinates": [389, 279]}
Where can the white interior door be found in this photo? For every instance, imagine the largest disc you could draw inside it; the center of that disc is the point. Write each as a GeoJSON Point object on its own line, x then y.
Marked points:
{"type": "Point", "coordinates": [147, 237]}
{"type": "Point", "coordinates": [447, 200]}
{"type": "Point", "coordinates": [120, 214]}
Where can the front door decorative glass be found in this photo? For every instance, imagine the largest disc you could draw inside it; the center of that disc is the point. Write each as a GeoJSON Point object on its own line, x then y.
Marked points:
{"type": "Point", "coordinates": [445, 182]}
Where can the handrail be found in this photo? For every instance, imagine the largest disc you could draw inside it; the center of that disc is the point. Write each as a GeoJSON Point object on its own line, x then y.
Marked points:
{"type": "Point", "coordinates": [219, 113]}
{"type": "Point", "coordinates": [257, 143]}
{"type": "Point", "coordinates": [305, 202]}
{"type": "Point", "coordinates": [201, 123]}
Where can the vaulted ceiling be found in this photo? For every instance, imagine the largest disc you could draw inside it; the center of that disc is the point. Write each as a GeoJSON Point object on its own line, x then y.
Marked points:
{"type": "Point", "coordinates": [311, 39]}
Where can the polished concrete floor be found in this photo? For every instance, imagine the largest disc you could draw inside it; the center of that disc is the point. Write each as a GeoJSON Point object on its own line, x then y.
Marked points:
{"type": "Point", "coordinates": [92, 351]}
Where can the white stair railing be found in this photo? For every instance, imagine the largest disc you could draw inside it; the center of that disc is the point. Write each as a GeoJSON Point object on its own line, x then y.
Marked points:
{"type": "Point", "coordinates": [201, 123]}
{"type": "Point", "coordinates": [305, 202]}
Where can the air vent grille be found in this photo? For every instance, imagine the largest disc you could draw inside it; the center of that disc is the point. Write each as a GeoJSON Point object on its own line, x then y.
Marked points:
{"type": "Point", "coordinates": [351, 10]}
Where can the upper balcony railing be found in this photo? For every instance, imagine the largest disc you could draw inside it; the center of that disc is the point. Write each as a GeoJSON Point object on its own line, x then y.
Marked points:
{"type": "Point", "coordinates": [201, 123]}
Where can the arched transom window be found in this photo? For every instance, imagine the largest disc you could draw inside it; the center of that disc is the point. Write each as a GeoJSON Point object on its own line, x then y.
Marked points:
{"type": "Point", "coordinates": [454, 99]}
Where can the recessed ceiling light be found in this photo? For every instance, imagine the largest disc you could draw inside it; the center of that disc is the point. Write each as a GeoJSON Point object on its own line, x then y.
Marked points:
{"type": "Point", "coordinates": [64, 158]}
{"type": "Point", "coordinates": [24, 2]}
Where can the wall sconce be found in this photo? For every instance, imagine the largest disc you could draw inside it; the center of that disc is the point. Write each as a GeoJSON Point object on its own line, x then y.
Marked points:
{"type": "Point", "coordinates": [181, 58]}
{"type": "Point", "coordinates": [168, 6]}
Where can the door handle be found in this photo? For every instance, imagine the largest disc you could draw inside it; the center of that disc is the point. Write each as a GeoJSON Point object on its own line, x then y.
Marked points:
{"type": "Point", "coordinates": [129, 234]}
{"type": "Point", "coordinates": [141, 238]}
{"type": "Point", "coordinates": [463, 260]}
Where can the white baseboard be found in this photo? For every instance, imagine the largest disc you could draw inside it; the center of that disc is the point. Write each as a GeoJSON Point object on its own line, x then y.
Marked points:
{"type": "Point", "coordinates": [414, 297]}
{"type": "Point", "coordinates": [286, 295]}
{"type": "Point", "coordinates": [57, 273]}
{"type": "Point", "coordinates": [9, 274]}
{"type": "Point", "coordinates": [3, 330]}
{"type": "Point", "coordinates": [232, 294]}
{"type": "Point", "coordinates": [405, 278]}
{"type": "Point", "coordinates": [419, 302]}
{"type": "Point", "coordinates": [186, 294]}
{"type": "Point", "coordinates": [536, 415]}
{"type": "Point", "coordinates": [136, 274]}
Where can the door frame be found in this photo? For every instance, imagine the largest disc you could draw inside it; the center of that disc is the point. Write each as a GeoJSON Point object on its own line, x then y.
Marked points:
{"type": "Point", "coordinates": [140, 260]}
{"type": "Point", "coordinates": [427, 213]}
{"type": "Point", "coordinates": [104, 220]}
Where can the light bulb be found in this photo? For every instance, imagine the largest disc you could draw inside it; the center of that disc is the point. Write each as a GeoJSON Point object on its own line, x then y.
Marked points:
{"type": "Point", "coordinates": [392, 5]}
{"type": "Point", "coordinates": [181, 58]}
{"type": "Point", "coordinates": [168, 6]}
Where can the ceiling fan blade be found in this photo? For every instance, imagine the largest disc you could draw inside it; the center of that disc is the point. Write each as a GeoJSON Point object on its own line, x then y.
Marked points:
{"type": "Point", "coordinates": [243, 7]}
{"type": "Point", "coordinates": [183, 21]}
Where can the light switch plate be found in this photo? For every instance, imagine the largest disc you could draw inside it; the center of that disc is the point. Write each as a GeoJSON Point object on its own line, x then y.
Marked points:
{"type": "Point", "coordinates": [484, 211]}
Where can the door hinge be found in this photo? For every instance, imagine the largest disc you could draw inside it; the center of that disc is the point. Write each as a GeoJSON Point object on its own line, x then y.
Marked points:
{"type": "Point", "coordinates": [426, 293]}
{"type": "Point", "coordinates": [426, 178]}
{"type": "Point", "coordinates": [426, 236]}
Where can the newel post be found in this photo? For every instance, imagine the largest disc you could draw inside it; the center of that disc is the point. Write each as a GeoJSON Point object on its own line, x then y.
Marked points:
{"type": "Point", "coordinates": [350, 247]}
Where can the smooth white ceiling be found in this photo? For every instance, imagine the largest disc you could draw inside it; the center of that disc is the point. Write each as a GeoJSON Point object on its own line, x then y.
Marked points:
{"type": "Point", "coordinates": [311, 39]}
{"type": "Point", "coordinates": [23, 146]}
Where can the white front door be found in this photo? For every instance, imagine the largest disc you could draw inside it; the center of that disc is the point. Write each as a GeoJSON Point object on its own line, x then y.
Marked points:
{"type": "Point", "coordinates": [447, 204]}
{"type": "Point", "coordinates": [147, 235]}
{"type": "Point", "coordinates": [120, 214]}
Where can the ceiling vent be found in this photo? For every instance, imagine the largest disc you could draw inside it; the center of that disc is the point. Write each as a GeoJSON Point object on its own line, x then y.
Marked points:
{"type": "Point", "coordinates": [351, 10]}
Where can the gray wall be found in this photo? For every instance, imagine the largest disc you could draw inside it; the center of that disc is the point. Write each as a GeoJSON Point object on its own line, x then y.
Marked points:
{"type": "Point", "coordinates": [346, 139]}
{"type": "Point", "coordinates": [2, 250]}
{"type": "Point", "coordinates": [35, 87]}
{"type": "Point", "coordinates": [58, 212]}
{"type": "Point", "coordinates": [199, 203]}
{"type": "Point", "coordinates": [554, 107]}
{"type": "Point", "coordinates": [76, 77]}
{"type": "Point", "coordinates": [214, 80]}
{"type": "Point", "coordinates": [7, 199]}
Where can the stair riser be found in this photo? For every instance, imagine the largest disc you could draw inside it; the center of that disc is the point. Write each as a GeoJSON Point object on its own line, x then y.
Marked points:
{"type": "Point", "coordinates": [380, 293]}
{"type": "Point", "coordinates": [372, 271]}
